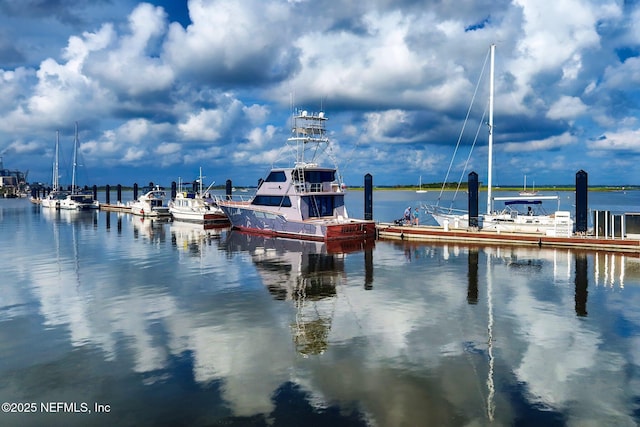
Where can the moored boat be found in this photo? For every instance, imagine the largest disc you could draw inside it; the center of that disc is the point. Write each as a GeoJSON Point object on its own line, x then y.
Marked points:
{"type": "Point", "coordinates": [196, 206]}
{"type": "Point", "coordinates": [305, 201]}
{"type": "Point", "coordinates": [151, 204]}
{"type": "Point", "coordinates": [77, 200]}
{"type": "Point", "coordinates": [509, 219]}
{"type": "Point", "coordinates": [52, 200]}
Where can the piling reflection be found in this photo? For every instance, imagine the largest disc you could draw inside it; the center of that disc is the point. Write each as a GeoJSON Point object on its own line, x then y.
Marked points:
{"type": "Point", "coordinates": [582, 283]}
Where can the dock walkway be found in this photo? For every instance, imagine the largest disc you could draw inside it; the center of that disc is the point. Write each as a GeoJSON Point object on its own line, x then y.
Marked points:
{"type": "Point", "coordinates": [438, 234]}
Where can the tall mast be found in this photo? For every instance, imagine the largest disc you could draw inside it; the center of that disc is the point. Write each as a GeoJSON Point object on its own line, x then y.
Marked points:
{"type": "Point", "coordinates": [490, 155]}
{"type": "Point", "coordinates": [55, 163]}
{"type": "Point", "coordinates": [75, 161]}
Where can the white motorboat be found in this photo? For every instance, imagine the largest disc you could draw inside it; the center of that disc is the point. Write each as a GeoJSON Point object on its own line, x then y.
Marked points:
{"type": "Point", "coordinates": [196, 206]}
{"type": "Point", "coordinates": [305, 201]}
{"type": "Point", "coordinates": [151, 204]}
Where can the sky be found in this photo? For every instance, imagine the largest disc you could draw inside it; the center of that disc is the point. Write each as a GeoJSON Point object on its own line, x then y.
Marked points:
{"type": "Point", "coordinates": [163, 88]}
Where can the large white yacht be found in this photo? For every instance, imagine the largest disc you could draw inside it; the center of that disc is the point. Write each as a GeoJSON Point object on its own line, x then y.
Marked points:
{"type": "Point", "coordinates": [305, 201]}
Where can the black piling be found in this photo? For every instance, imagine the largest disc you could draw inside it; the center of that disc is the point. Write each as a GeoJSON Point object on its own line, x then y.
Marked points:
{"type": "Point", "coordinates": [135, 191]}
{"type": "Point", "coordinates": [582, 190]}
{"type": "Point", "coordinates": [174, 190]}
{"type": "Point", "coordinates": [368, 197]}
{"type": "Point", "coordinates": [229, 189]}
{"type": "Point", "coordinates": [473, 199]}
{"type": "Point", "coordinates": [95, 192]}
{"type": "Point", "coordinates": [119, 193]}
{"type": "Point", "coordinates": [107, 194]}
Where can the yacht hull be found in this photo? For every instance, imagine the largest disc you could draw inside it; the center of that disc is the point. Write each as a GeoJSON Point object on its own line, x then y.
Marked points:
{"type": "Point", "coordinates": [245, 218]}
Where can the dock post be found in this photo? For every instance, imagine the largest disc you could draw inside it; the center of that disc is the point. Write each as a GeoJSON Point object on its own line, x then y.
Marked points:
{"type": "Point", "coordinates": [135, 191]}
{"type": "Point", "coordinates": [472, 184]}
{"type": "Point", "coordinates": [229, 189]}
{"type": "Point", "coordinates": [95, 192]}
{"type": "Point", "coordinates": [119, 193]}
{"type": "Point", "coordinates": [174, 190]}
{"type": "Point", "coordinates": [582, 190]}
{"type": "Point", "coordinates": [368, 197]}
{"type": "Point", "coordinates": [107, 194]}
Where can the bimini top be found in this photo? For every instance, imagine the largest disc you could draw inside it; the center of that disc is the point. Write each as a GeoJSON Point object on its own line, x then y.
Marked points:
{"type": "Point", "coordinates": [524, 200]}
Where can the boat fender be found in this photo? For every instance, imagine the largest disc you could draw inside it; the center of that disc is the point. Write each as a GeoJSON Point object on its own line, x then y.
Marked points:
{"type": "Point", "coordinates": [402, 236]}
{"type": "Point", "coordinates": [539, 242]}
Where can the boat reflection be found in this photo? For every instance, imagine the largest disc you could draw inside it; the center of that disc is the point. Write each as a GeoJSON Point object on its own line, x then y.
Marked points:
{"type": "Point", "coordinates": [152, 230]}
{"type": "Point", "coordinates": [191, 237]}
{"type": "Point", "coordinates": [304, 272]}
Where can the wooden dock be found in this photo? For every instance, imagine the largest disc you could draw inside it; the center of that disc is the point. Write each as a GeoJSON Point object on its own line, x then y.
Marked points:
{"type": "Point", "coordinates": [115, 208]}
{"type": "Point", "coordinates": [439, 234]}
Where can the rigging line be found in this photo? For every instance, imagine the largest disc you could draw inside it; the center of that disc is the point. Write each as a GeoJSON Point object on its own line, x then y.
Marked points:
{"type": "Point", "coordinates": [475, 92]}
{"type": "Point", "coordinates": [466, 163]}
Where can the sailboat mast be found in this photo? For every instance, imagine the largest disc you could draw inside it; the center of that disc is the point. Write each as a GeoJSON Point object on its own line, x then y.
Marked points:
{"type": "Point", "coordinates": [490, 155]}
{"type": "Point", "coordinates": [55, 163]}
{"type": "Point", "coordinates": [75, 161]}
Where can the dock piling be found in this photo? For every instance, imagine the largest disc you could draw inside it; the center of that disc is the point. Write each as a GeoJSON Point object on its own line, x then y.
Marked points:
{"type": "Point", "coordinates": [473, 199]}
{"type": "Point", "coordinates": [368, 197]}
{"type": "Point", "coordinates": [582, 190]}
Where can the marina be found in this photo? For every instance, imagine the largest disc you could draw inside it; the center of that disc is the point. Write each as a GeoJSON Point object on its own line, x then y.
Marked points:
{"type": "Point", "coordinates": [175, 323]}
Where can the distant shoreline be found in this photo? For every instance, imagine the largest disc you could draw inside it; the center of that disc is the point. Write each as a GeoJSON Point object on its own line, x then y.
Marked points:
{"type": "Point", "coordinates": [510, 189]}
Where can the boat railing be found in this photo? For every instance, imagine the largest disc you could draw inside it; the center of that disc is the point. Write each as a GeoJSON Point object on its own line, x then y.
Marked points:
{"type": "Point", "coordinates": [233, 199]}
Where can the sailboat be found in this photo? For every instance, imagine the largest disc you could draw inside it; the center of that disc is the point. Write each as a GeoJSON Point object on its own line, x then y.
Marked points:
{"type": "Point", "coordinates": [77, 200]}
{"type": "Point", "coordinates": [526, 192]}
{"type": "Point", "coordinates": [420, 190]}
{"type": "Point", "coordinates": [509, 219]}
{"type": "Point", "coordinates": [52, 200]}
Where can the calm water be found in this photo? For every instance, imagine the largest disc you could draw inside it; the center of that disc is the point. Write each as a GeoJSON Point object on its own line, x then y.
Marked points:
{"type": "Point", "coordinates": [107, 319]}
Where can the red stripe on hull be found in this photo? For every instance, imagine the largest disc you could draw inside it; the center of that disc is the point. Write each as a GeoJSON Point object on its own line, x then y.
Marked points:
{"type": "Point", "coordinates": [351, 231]}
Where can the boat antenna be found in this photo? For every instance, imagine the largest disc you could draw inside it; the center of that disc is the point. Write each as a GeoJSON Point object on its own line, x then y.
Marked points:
{"type": "Point", "coordinates": [490, 155]}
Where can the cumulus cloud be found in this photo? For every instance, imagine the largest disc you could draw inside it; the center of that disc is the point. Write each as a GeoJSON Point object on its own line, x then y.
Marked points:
{"type": "Point", "coordinates": [566, 108]}
{"type": "Point", "coordinates": [144, 83]}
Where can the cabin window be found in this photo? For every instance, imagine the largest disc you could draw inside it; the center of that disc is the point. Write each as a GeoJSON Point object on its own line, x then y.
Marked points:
{"type": "Point", "coordinates": [323, 205]}
{"type": "Point", "coordinates": [283, 201]}
{"type": "Point", "coordinates": [276, 176]}
{"type": "Point", "coordinates": [319, 176]}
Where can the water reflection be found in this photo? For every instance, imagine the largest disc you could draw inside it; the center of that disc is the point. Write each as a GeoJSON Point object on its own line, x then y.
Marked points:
{"type": "Point", "coordinates": [307, 274]}
{"type": "Point", "coordinates": [243, 329]}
